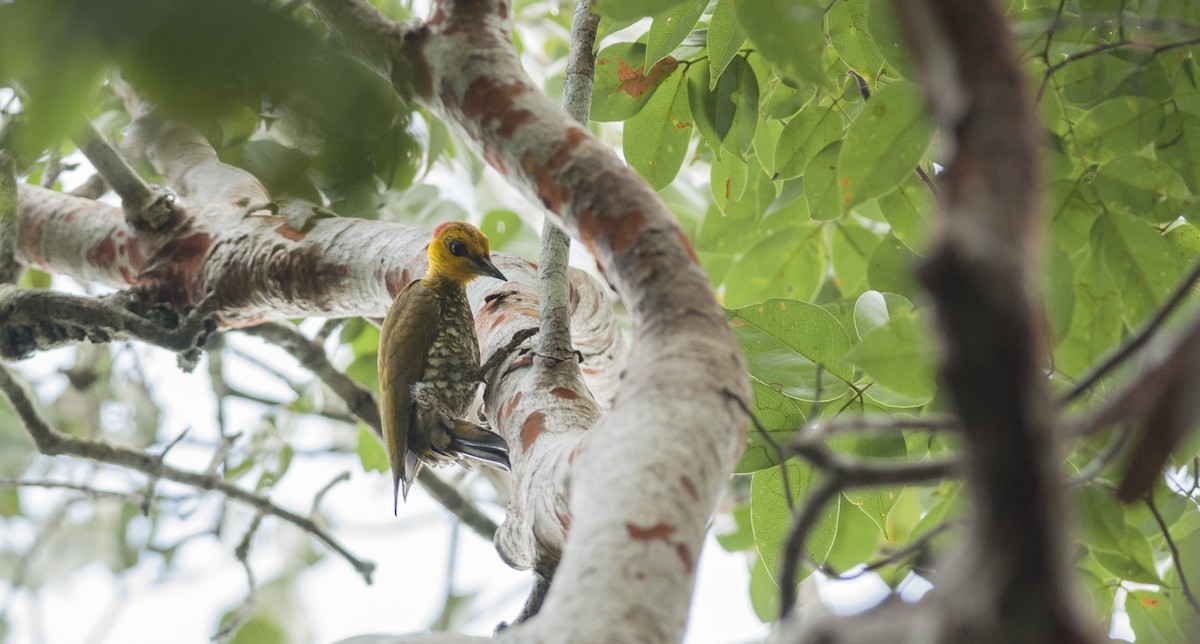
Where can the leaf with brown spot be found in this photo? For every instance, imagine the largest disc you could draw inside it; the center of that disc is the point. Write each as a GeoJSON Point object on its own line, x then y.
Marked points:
{"type": "Point", "coordinates": [622, 90]}
{"type": "Point", "coordinates": [635, 83]}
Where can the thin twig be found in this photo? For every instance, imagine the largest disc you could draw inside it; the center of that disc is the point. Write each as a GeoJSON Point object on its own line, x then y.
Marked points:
{"type": "Point", "coordinates": [242, 552]}
{"type": "Point", "coordinates": [340, 478]}
{"type": "Point", "coordinates": [554, 293]}
{"type": "Point", "coordinates": [1166, 532]}
{"type": "Point", "coordinates": [52, 442]}
{"type": "Point", "coordinates": [86, 490]}
{"type": "Point", "coordinates": [1154, 50]}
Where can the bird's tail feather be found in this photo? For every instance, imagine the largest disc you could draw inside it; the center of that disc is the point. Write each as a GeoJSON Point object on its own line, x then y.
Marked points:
{"type": "Point", "coordinates": [480, 445]}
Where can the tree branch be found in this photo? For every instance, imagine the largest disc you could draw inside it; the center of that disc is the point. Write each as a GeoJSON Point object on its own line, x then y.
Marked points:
{"type": "Point", "coordinates": [145, 208]}
{"type": "Point", "coordinates": [10, 270]}
{"type": "Point", "coordinates": [644, 482]}
{"type": "Point", "coordinates": [980, 275]}
{"type": "Point", "coordinates": [38, 320]}
{"type": "Point", "coordinates": [51, 442]}
{"type": "Point", "coordinates": [554, 341]}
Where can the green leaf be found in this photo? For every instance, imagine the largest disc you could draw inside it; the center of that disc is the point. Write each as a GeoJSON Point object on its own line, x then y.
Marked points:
{"type": "Point", "coordinates": [851, 246]}
{"type": "Point", "coordinates": [891, 269]}
{"type": "Point", "coordinates": [1122, 125]}
{"type": "Point", "coordinates": [1144, 187]}
{"type": "Point", "coordinates": [899, 356]}
{"type": "Point", "coordinates": [1058, 282]}
{"type": "Point", "coordinates": [656, 139]}
{"type": "Point", "coordinates": [623, 86]}
{"type": "Point", "coordinates": [745, 119]}
{"type": "Point", "coordinates": [502, 226]}
{"type": "Point", "coordinates": [724, 39]}
{"type": "Point", "coordinates": [633, 9]}
{"type": "Point", "coordinates": [788, 263]}
{"type": "Point", "coordinates": [1102, 518]}
{"type": "Point", "coordinates": [820, 183]}
{"type": "Point", "coordinates": [1151, 617]}
{"type": "Point", "coordinates": [888, 38]}
{"type": "Point", "coordinates": [785, 341]}
{"type": "Point", "coordinates": [846, 22]}
{"type": "Point", "coordinates": [726, 116]}
{"type": "Point", "coordinates": [1143, 264]}
{"type": "Point", "coordinates": [780, 416]}
{"type": "Point", "coordinates": [803, 137]}
{"type": "Point", "coordinates": [712, 109]}
{"type": "Point", "coordinates": [670, 27]}
{"type": "Point", "coordinates": [370, 451]}
{"type": "Point", "coordinates": [1189, 561]}
{"type": "Point", "coordinates": [1095, 319]}
{"type": "Point", "coordinates": [884, 143]}
{"type": "Point", "coordinates": [764, 594]}
{"type": "Point", "coordinates": [1134, 561]}
{"type": "Point", "coordinates": [1178, 145]}
{"type": "Point", "coordinates": [857, 537]}
{"type": "Point", "coordinates": [873, 309]}
{"type": "Point", "coordinates": [741, 536]}
{"type": "Point", "coordinates": [788, 34]}
{"type": "Point", "coordinates": [875, 502]}
{"type": "Point", "coordinates": [908, 210]}
{"type": "Point", "coordinates": [772, 518]}
{"type": "Point", "coordinates": [365, 370]}
{"type": "Point", "coordinates": [728, 177]}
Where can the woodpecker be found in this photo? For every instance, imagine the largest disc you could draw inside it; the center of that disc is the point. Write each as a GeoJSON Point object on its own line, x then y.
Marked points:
{"type": "Point", "coordinates": [429, 363]}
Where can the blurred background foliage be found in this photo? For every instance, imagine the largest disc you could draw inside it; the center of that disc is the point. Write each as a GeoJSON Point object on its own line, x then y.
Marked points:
{"type": "Point", "coordinates": [788, 136]}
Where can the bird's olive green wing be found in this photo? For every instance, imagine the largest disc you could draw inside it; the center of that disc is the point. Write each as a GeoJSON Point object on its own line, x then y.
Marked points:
{"type": "Point", "coordinates": [404, 341]}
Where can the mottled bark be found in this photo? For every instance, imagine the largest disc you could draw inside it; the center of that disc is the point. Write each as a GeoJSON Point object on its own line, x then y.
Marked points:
{"type": "Point", "coordinates": [644, 480]}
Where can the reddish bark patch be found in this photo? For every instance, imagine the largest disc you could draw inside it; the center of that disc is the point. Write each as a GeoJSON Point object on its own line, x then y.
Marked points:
{"type": "Point", "coordinates": [620, 232]}
{"type": "Point", "coordinates": [288, 232]}
{"type": "Point", "coordinates": [504, 11]}
{"type": "Point", "coordinates": [177, 270]}
{"type": "Point", "coordinates": [396, 281]}
{"type": "Point", "coordinates": [489, 99]}
{"type": "Point", "coordinates": [659, 531]}
{"type": "Point", "coordinates": [564, 393]}
{"type": "Point", "coordinates": [564, 519]}
{"type": "Point", "coordinates": [687, 246]}
{"type": "Point", "coordinates": [104, 254]}
{"type": "Point", "coordinates": [575, 136]}
{"type": "Point", "coordinates": [574, 452]}
{"type": "Point", "coordinates": [548, 189]}
{"type": "Point", "coordinates": [685, 557]}
{"type": "Point", "coordinates": [512, 405]}
{"type": "Point", "coordinates": [128, 275]}
{"type": "Point", "coordinates": [534, 424]}
{"type": "Point", "coordinates": [519, 364]}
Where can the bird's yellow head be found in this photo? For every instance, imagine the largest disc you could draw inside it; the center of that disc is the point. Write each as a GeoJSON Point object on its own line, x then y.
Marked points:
{"type": "Point", "coordinates": [459, 252]}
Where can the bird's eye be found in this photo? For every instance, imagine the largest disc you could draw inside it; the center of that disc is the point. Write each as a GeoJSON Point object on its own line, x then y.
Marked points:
{"type": "Point", "coordinates": [457, 248]}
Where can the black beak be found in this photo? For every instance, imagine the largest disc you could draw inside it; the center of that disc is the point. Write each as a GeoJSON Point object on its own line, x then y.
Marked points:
{"type": "Point", "coordinates": [484, 266]}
